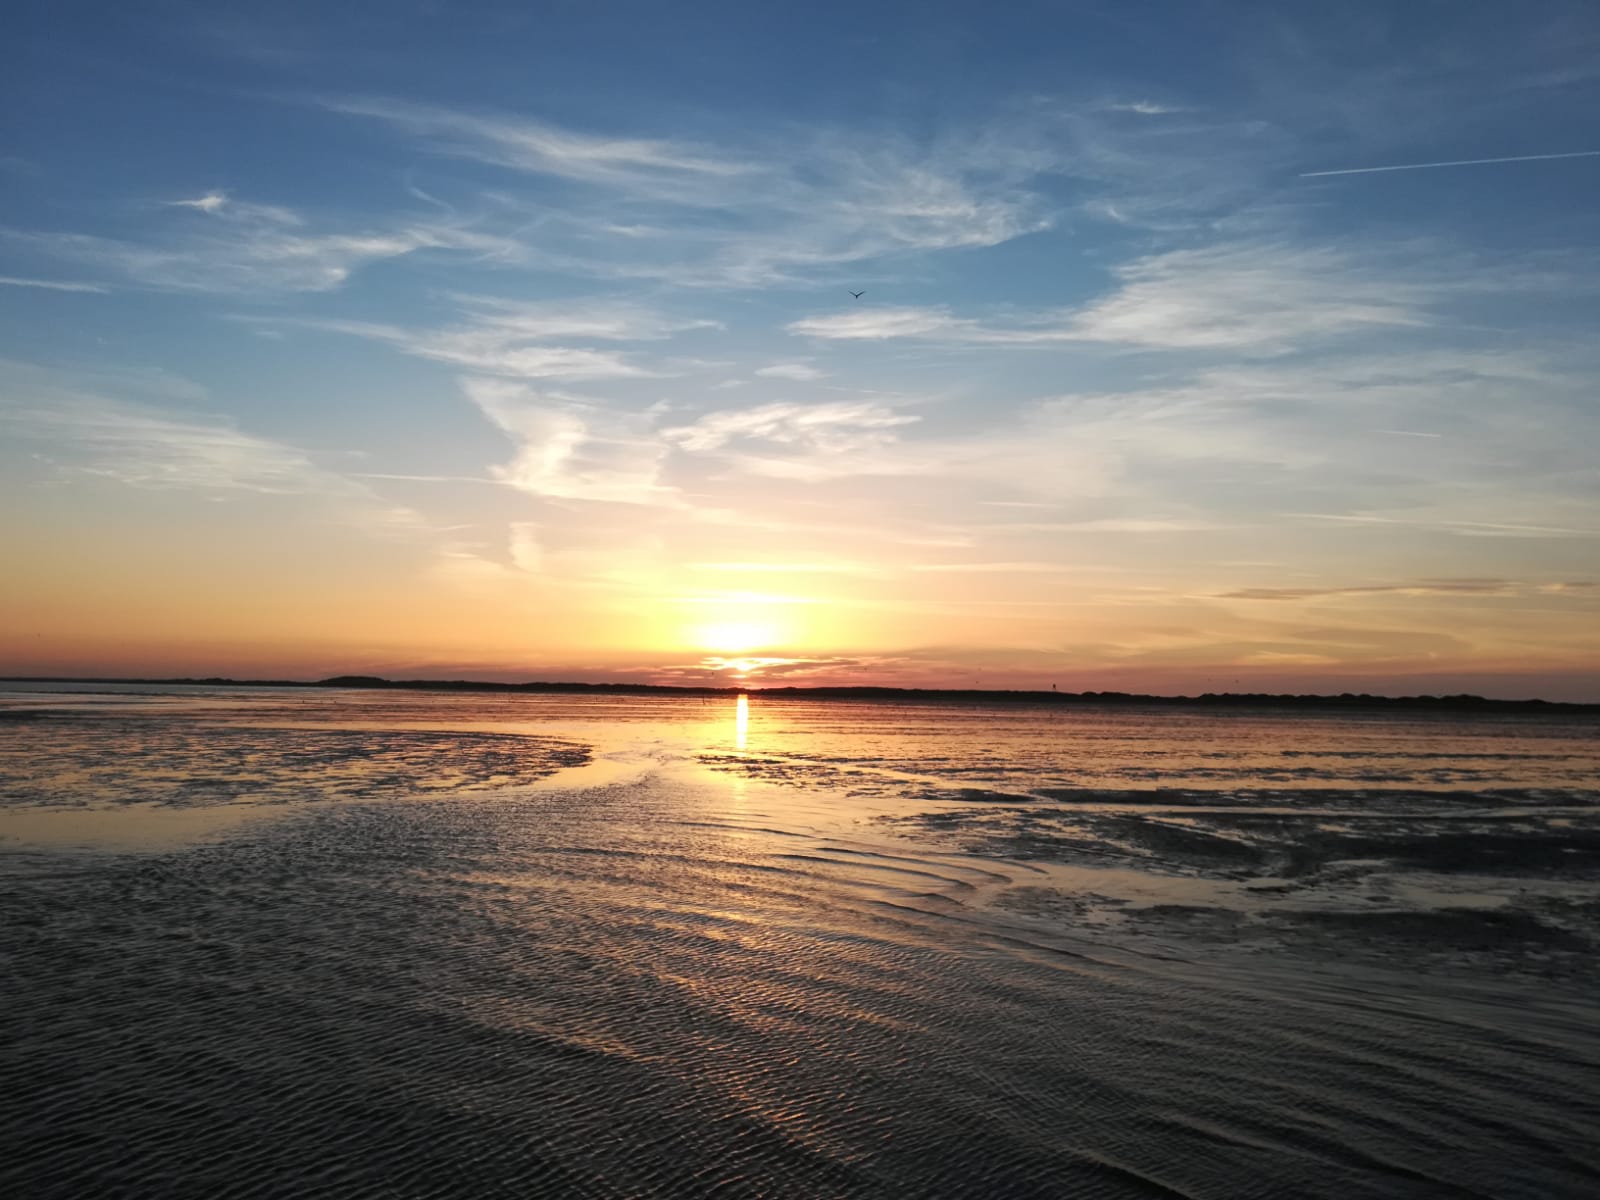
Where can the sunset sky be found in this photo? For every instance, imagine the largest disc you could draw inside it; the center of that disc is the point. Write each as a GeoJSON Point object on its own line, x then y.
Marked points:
{"type": "Point", "coordinates": [516, 341]}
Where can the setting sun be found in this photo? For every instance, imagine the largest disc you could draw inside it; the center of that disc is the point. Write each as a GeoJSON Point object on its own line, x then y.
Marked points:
{"type": "Point", "coordinates": [735, 637]}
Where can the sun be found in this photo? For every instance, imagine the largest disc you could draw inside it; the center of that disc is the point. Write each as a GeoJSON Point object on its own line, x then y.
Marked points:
{"type": "Point", "coordinates": [734, 637]}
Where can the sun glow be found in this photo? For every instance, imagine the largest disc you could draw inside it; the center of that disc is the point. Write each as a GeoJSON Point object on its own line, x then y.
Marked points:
{"type": "Point", "coordinates": [741, 668]}
{"type": "Point", "coordinates": [735, 637]}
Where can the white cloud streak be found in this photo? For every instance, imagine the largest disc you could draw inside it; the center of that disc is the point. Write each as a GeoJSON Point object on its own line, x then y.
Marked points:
{"type": "Point", "coordinates": [210, 202]}
{"type": "Point", "coordinates": [526, 144]}
{"type": "Point", "coordinates": [766, 213]}
{"type": "Point", "coordinates": [1459, 162]}
{"type": "Point", "coordinates": [881, 324]}
{"type": "Point", "coordinates": [494, 352]}
{"type": "Point", "coordinates": [1144, 108]}
{"type": "Point", "coordinates": [52, 285]}
{"type": "Point", "coordinates": [572, 447]}
{"type": "Point", "coordinates": [1245, 296]}
{"type": "Point", "coordinates": [239, 248]}
{"type": "Point", "coordinates": [799, 372]}
{"type": "Point", "coordinates": [834, 428]}
{"type": "Point", "coordinates": [511, 338]}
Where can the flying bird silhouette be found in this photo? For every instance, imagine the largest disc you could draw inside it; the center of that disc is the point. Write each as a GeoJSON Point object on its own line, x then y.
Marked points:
{"type": "Point", "coordinates": [857, 295]}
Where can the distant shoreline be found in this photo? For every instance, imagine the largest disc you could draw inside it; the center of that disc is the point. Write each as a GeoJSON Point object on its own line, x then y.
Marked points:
{"type": "Point", "coordinates": [1343, 701]}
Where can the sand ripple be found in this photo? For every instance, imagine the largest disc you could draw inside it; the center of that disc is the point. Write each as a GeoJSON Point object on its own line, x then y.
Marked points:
{"type": "Point", "coordinates": [628, 991]}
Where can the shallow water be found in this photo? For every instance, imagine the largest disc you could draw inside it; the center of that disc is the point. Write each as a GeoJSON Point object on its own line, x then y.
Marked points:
{"type": "Point", "coordinates": [406, 944]}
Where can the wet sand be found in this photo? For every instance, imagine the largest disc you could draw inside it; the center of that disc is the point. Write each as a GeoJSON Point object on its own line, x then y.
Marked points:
{"type": "Point", "coordinates": [647, 952]}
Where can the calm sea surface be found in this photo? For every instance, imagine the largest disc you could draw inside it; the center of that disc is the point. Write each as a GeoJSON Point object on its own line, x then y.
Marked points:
{"type": "Point", "coordinates": [292, 943]}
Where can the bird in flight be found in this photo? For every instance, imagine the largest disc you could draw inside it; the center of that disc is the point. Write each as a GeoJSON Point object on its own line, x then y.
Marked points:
{"type": "Point", "coordinates": [857, 295]}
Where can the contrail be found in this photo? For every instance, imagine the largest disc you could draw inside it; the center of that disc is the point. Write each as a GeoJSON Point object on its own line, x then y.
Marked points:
{"type": "Point", "coordinates": [1460, 162]}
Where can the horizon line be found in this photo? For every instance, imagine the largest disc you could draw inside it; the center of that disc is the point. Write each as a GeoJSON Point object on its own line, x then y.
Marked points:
{"type": "Point", "coordinates": [377, 683]}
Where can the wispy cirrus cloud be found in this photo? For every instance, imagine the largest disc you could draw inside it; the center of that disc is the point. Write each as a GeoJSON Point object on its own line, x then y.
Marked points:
{"type": "Point", "coordinates": [799, 372]}
{"type": "Point", "coordinates": [1425, 587]}
{"type": "Point", "coordinates": [600, 319]}
{"type": "Point", "coordinates": [140, 429]}
{"type": "Point", "coordinates": [145, 448]}
{"type": "Point", "coordinates": [512, 338]}
{"type": "Point", "coordinates": [294, 264]}
{"type": "Point", "coordinates": [1225, 451]}
{"type": "Point", "coordinates": [1460, 528]}
{"type": "Point", "coordinates": [240, 214]}
{"type": "Point", "coordinates": [775, 208]}
{"type": "Point", "coordinates": [208, 202]}
{"type": "Point", "coordinates": [770, 210]}
{"type": "Point", "coordinates": [224, 246]}
{"type": "Point", "coordinates": [572, 447]}
{"type": "Point", "coordinates": [881, 324]}
{"type": "Point", "coordinates": [1249, 295]}
{"type": "Point", "coordinates": [832, 428]}
{"type": "Point", "coordinates": [52, 285]}
{"type": "Point", "coordinates": [527, 144]}
{"type": "Point", "coordinates": [75, 425]}
{"type": "Point", "coordinates": [1145, 108]}
{"type": "Point", "coordinates": [1242, 440]}
{"type": "Point", "coordinates": [492, 351]}
{"type": "Point", "coordinates": [1232, 296]}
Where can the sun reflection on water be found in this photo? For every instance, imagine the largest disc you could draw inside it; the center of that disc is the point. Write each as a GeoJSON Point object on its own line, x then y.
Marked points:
{"type": "Point", "coordinates": [741, 723]}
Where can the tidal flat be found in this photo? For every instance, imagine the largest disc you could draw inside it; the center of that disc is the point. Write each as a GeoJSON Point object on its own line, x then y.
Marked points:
{"type": "Point", "coordinates": [264, 943]}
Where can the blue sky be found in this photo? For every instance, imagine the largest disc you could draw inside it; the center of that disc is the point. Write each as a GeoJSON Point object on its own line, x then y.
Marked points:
{"type": "Point", "coordinates": [508, 339]}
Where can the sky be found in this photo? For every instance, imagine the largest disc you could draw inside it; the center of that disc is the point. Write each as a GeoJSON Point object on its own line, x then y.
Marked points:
{"type": "Point", "coordinates": [1201, 346]}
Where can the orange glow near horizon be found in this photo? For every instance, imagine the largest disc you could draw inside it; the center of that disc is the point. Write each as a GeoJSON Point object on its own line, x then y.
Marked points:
{"type": "Point", "coordinates": [153, 592]}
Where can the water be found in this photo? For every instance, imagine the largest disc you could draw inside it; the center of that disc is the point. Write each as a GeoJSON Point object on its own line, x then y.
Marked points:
{"type": "Point", "coordinates": [360, 944]}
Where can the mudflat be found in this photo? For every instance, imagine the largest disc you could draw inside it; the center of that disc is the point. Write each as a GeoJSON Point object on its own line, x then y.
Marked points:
{"type": "Point", "coordinates": [376, 944]}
